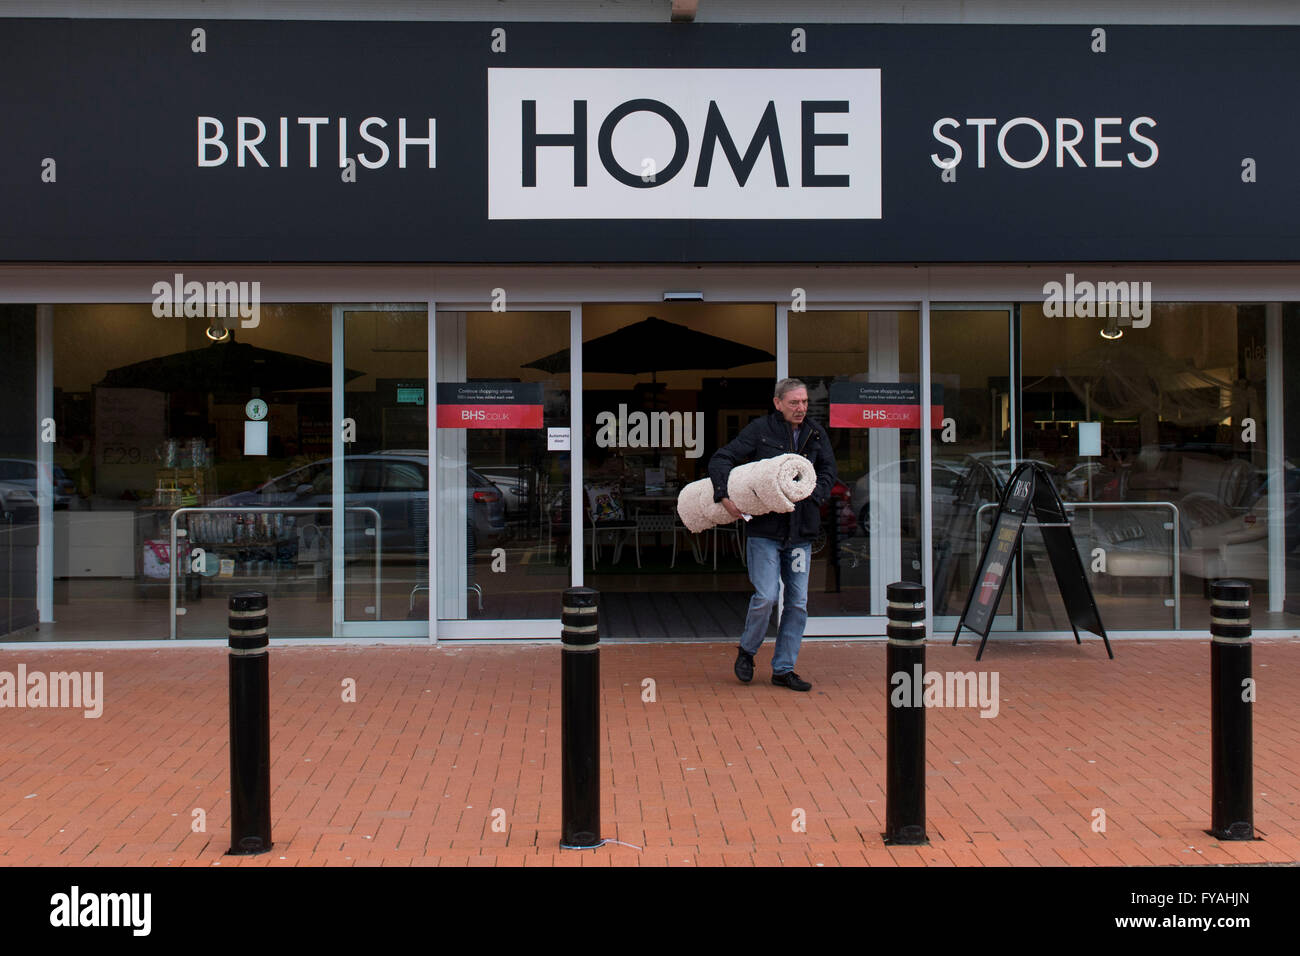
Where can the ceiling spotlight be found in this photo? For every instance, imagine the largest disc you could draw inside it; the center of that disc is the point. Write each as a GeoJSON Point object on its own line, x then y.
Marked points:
{"type": "Point", "coordinates": [217, 331]}
{"type": "Point", "coordinates": [1112, 329]}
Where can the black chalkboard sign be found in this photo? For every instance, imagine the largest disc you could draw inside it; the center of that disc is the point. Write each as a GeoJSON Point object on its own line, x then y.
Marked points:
{"type": "Point", "coordinates": [1031, 488]}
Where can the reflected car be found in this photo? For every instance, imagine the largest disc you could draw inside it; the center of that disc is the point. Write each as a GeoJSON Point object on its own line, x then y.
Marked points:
{"type": "Point", "coordinates": [1000, 462]}
{"type": "Point", "coordinates": [1092, 481]}
{"type": "Point", "coordinates": [395, 485]}
{"type": "Point", "coordinates": [512, 482]}
{"type": "Point", "coordinates": [901, 479]}
{"type": "Point", "coordinates": [22, 472]}
{"type": "Point", "coordinates": [17, 504]}
{"type": "Point", "coordinates": [488, 505]}
{"type": "Point", "coordinates": [845, 522]}
{"type": "Point", "coordinates": [904, 479]}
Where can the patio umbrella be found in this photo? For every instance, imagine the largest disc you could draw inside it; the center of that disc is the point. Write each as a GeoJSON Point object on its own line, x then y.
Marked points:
{"type": "Point", "coordinates": [224, 367]}
{"type": "Point", "coordinates": [653, 345]}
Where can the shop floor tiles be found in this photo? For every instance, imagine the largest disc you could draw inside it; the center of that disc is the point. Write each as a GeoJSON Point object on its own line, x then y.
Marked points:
{"type": "Point", "coordinates": [450, 755]}
{"type": "Point", "coordinates": [674, 615]}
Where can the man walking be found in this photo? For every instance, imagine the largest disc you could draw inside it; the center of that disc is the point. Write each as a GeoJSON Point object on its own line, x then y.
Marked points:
{"type": "Point", "coordinates": [778, 546]}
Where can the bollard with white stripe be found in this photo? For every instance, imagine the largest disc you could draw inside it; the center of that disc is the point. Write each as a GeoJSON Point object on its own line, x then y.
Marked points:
{"type": "Point", "coordinates": [1232, 808]}
{"type": "Point", "coordinates": [580, 721]}
{"type": "Point", "coordinates": [905, 716]}
{"type": "Point", "coordinates": [250, 725]}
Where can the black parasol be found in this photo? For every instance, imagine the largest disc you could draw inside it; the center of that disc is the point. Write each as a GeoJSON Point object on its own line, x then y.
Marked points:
{"type": "Point", "coordinates": [653, 345]}
{"type": "Point", "coordinates": [225, 367]}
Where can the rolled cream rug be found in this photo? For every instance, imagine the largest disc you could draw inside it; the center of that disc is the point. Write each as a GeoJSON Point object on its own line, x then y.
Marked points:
{"type": "Point", "coordinates": [773, 484]}
{"type": "Point", "coordinates": [698, 511]}
{"type": "Point", "coordinates": [760, 487]}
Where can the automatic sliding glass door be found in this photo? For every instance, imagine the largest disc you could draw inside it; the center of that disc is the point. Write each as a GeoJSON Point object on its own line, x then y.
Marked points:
{"type": "Point", "coordinates": [503, 506]}
{"type": "Point", "coordinates": [863, 376]}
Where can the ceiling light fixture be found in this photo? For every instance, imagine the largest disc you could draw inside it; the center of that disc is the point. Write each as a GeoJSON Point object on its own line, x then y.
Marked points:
{"type": "Point", "coordinates": [217, 331]}
{"type": "Point", "coordinates": [1112, 330]}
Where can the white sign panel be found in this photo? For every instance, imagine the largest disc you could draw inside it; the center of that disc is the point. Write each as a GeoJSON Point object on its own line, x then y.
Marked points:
{"type": "Point", "coordinates": [557, 439]}
{"type": "Point", "coordinates": [1089, 439]}
{"type": "Point", "coordinates": [683, 144]}
{"type": "Point", "coordinates": [255, 437]}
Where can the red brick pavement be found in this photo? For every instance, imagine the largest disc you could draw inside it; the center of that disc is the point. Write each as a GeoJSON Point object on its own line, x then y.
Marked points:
{"type": "Point", "coordinates": [445, 741]}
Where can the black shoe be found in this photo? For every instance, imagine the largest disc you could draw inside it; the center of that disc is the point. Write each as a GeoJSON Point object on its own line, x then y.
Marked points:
{"type": "Point", "coordinates": [745, 666]}
{"type": "Point", "coordinates": [792, 680]}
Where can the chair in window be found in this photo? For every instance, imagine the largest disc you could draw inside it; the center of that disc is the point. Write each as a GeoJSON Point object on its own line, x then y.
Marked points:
{"type": "Point", "coordinates": [657, 523]}
{"type": "Point", "coordinates": [735, 532]}
{"type": "Point", "coordinates": [607, 519]}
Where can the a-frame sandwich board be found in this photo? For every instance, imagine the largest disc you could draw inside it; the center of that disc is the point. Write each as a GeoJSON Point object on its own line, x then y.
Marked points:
{"type": "Point", "coordinates": [1031, 488]}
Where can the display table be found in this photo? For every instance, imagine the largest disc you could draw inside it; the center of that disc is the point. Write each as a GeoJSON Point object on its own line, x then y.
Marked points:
{"type": "Point", "coordinates": [255, 555]}
{"type": "Point", "coordinates": [94, 544]}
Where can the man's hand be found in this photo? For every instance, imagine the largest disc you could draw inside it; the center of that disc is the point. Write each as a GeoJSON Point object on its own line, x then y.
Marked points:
{"type": "Point", "coordinates": [731, 509]}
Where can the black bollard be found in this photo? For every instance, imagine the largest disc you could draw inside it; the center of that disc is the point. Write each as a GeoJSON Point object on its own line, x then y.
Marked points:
{"type": "Point", "coordinates": [580, 721]}
{"type": "Point", "coordinates": [905, 716]}
{"type": "Point", "coordinates": [250, 725]}
{"type": "Point", "coordinates": [1232, 813]}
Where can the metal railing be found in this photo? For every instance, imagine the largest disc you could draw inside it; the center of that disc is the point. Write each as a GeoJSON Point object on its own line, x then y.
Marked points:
{"type": "Point", "coordinates": [1072, 505]}
{"type": "Point", "coordinates": [232, 509]}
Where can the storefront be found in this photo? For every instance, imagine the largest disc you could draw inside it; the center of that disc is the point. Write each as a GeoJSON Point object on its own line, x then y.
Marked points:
{"type": "Point", "coordinates": [414, 346]}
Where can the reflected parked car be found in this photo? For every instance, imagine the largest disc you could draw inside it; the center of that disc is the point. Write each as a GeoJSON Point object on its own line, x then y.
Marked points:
{"type": "Point", "coordinates": [845, 523]}
{"type": "Point", "coordinates": [903, 478]}
{"type": "Point", "coordinates": [512, 481]}
{"type": "Point", "coordinates": [394, 484]}
{"type": "Point", "coordinates": [1092, 481]}
{"type": "Point", "coordinates": [17, 504]}
{"type": "Point", "coordinates": [22, 472]}
{"type": "Point", "coordinates": [1000, 463]}
{"type": "Point", "coordinates": [488, 505]}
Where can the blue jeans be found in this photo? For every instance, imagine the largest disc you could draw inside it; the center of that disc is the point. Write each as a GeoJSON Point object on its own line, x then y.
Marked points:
{"type": "Point", "coordinates": [770, 565]}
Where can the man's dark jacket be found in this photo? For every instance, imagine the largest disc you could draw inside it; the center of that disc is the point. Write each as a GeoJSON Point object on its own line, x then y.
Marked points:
{"type": "Point", "coordinates": [768, 437]}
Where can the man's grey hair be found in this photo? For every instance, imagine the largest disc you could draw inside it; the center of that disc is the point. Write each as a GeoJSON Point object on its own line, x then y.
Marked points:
{"type": "Point", "coordinates": [787, 385]}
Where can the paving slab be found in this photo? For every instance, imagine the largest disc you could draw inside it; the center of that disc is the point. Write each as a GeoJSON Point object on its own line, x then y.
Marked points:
{"type": "Point", "coordinates": [450, 755]}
